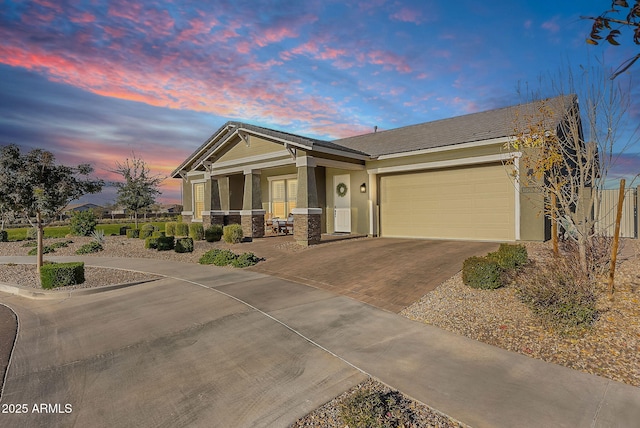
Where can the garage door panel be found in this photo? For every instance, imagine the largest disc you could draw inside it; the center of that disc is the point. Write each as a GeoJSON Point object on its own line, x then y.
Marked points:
{"type": "Point", "coordinates": [458, 203]}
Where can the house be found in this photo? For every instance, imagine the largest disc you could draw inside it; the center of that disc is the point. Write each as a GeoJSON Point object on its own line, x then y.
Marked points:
{"type": "Point", "coordinates": [81, 207]}
{"type": "Point", "coordinates": [447, 179]}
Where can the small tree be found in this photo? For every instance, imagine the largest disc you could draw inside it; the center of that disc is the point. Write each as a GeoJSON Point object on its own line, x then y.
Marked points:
{"type": "Point", "coordinates": [139, 189]}
{"type": "Point", "coordinates": [34, 187]}
{"type": "Point", "coordinates": [558, 159]}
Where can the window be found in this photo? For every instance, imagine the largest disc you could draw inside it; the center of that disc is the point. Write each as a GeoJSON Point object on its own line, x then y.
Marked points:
{"type": "Point", "coordinates": [198, 200]}
{"type": "Point", "coordinates": [283, 197]}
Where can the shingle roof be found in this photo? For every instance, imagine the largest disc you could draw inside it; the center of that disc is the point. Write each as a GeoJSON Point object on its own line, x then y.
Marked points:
{"type": "Point", "coordinates": [457, 130]}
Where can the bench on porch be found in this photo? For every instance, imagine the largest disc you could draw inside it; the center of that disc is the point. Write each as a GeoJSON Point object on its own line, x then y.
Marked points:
{"type": "Point", "coordinates": [278, 225]}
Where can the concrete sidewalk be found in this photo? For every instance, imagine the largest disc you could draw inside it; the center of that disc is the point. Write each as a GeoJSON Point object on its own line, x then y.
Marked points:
{"type": "Point", "coordinates": [475, 383]}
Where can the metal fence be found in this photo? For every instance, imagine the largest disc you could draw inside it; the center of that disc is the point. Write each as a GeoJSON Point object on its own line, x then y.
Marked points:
{"type": "Point", "coordinates": [608, 203]}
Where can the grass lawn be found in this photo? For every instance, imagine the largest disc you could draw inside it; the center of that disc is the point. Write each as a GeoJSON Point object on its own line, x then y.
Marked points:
{"type": "Point", "coordinates": [20, 233]}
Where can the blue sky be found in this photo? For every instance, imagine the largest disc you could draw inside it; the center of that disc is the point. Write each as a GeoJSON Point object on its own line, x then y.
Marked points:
{"type": "Point", "coordinates": [93, 80]}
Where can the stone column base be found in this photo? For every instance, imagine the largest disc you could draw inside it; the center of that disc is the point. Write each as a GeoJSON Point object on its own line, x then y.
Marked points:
{"type": "Point", "coordinates": [307, 226]}
{"type": "Point", "coordinates": [252, 224]}
{"type": "Point", "coordinates": [186, 218]}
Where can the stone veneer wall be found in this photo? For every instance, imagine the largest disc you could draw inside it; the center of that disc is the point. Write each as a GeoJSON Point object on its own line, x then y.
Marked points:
{"type": "Point", "coordinates": [186, 218]}
{"type": "Point", "coordinates": [307, 228]}
{"type": "Point", "coordinates": [233, 219]}
{"type": "Point", "coordinates": [253, 226]}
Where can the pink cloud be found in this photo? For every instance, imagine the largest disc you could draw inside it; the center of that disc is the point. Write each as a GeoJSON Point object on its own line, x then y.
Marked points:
{"type": "Point", "coordinates": [552, 25]}
{"type": "Point", "coordinates": [407, 15]}
{"type": "Point", "coordinates": [388, 60]}
{"type": "Point", "coordinates": [82, 18]}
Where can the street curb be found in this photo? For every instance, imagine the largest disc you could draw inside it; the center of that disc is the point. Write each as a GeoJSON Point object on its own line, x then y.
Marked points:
{"type": "Point", "coordinates": [31, 293]}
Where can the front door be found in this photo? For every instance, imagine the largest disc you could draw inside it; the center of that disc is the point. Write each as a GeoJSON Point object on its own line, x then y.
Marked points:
{"type": "Point", "coordinates": [342, 203]}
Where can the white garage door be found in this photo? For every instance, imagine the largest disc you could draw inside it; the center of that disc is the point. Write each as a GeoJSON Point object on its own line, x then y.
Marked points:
{"type": "Point", "coordinates": [476, 203]}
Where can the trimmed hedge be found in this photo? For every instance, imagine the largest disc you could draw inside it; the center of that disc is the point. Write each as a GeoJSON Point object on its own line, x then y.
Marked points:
{"type": "Point", "coordinates": [151, 243]}
{"type": "Point", "coordinates": [481, 272]}
{"type": "Point", "coordinates": [61, 274]}
{"type": "Point", "coordinates": [213, 233]}
{"type": "Point", "coordinates": [184, 245]}
{"type": "Point", "coordinates": [196, 231]}
{"type": "Point", "coordinates": [133, 233]}
{"type": "Point", "coordinates": [166, 243]}
{"type": "Point", "coordinates": [123, 230]}
{"type": "Point", "coordinates": [510, 256]}
{"type": "Point", "coordinates": [232, 234]}
{"type": "Point", "coordinates": [4, 236]}
{"type": "Point", "coordinates": [170, 228]}
{"type": "Point", "coordinates": [146, 230]}
{"type": "Point", "coordinates": [182, 229]}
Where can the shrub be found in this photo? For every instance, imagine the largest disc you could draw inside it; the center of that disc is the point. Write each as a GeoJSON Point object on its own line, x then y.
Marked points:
{"type": "Point", "coordinates": [509, 256]}
{"type": "Point", "coordinates": [559, 292]}
{"type": "Point", "coordinates": [46, 249]}
{"type": "Point", "coordinates": [32, 233]}
{"type": "Point", "coordinates": [83, 223]}
{"type": "Point", "coordinates": [213, 233]}
{"type": "Point", "coordinates": [146, 230]}
{"type": "Point", "coordinates": [151, 243]}
{"type": "Point", "coordinates": [196, 231]}
{"type": "Point", "coordinates": [370, 409]}
{"type": "Point", "coordinates": [481, 272]}
{"type": "Point", "coordinates": [182, 229]}
{"type": "Point", "coordinates": [123, 230]}
{"type": "Point", "coordinates": [4, 236]}
{"type": "Point", "coordinates": [245, 260]}
{"type": "Point", "coordinates": [170, 228]}
{"type": "Point", "coordinates": [165, 243]}
{"type": "Point", "coordinates": [98, 236]}
{"type": "Point", "coordinates": [61, 274]}
{"type": "Point", "coordinates": [232, 233]}
{"type": "Point", "coordinates": [158, 234]}
{"type": "Point", "coordinates": [91, 247]}
{"type": "Point", "coordinates": [217, 257]}
{"type": "Point", "coordinates": [184, 245]}
{"type": "Point", "coordinates": [133, 233]}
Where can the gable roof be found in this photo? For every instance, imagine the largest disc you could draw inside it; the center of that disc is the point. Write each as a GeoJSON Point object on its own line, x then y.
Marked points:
{"type": "Point", "coordinates": [469, 128]}
{"type": "Point", "coordinates": [474, 127]}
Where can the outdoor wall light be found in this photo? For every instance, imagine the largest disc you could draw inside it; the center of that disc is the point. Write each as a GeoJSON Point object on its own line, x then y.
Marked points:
{"type": "Point", "coordinates": [363, 188]}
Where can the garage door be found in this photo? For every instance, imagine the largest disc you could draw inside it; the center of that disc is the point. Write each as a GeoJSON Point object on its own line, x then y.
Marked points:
{"type": "Point", "coordinates": [476, 203]}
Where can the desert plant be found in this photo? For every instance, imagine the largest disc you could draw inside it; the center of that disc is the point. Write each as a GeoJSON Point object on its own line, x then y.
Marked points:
{"type": "Point", "coordinates": [83, 223]}
{"type": "Point", "coordinates": [133, 233]}
{"type": "Point", "coordinates": [559, 292]}
{"type": "Point", "coordinates": [245, 260]}
{"type": "Point", "coordinates": [98, 236]}
{"type": "Point", "coordinates": [509, 256]}
{"type": "Point", "coordinates": [481, 272]}
{"type": "Point", "coordinates": [61, 274]}
{"type": "Point", "coordinates": [182, 229]}
{"type": "Point", "coordinates": [166, 243]}
{"type": "Point", "coordinates": [32, 233]}
{"type": "Point", "coordinates": [232, 234]}
{"type": "Point", "coordinates": [170, 228]}
{"type": "Point", "coordinates": [91, 247]}
{"type": "Point", "coordinates": [213, 233]}
{"type": "Point", "coordinates": [372, 409]}
{"type": "Point", "coordinates": [184, 245]}
{"type": "Point", "coordinates": [196, 231]}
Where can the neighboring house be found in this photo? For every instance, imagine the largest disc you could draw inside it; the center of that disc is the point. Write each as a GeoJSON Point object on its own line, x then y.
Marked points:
{"type": "Point", "coordinates": [71, 208]}
{"type": "Point", "coordinates": [445, 179]}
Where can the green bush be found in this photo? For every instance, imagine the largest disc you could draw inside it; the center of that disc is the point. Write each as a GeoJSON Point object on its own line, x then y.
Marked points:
{"type": "Point", "coordinates": [151, 243]}
{"type": "Point", "coordinates": [182, 229]}
{"type": "Point", "coordinates": [61, 274]}
{"type": "Point", "coordinates": [123, 230]}
{"type": "Point", "coordinates": [232, 234]}
{"type": "Point", "coordinates": [133, 233]}
{"type": "Point", "coordinates": [32, 233]}
{"type": "Point", "coordinates": [372, 409]}
{"type": "Point", "coordinates": [146, 230]}
{"type": "Point", "coordinates": [217, 257]}
{"type": "Point", "coordinates": [4, 236]}
{"type": "Point", "coordinates": [158, 234]}
{"type": "Point", "coordinates": [170, 228]}
{"type": "Point", "coordinates": [559, 292]}
{"type": "Point", "coordinates": [184, 245]}
{"type": "Point", "coordinates": [196, 231]}
{"type": "Point", "coordinates": [46, 249]}
{"type": "Point", "coordinates": [245, 260]}
{"type": "Point", "coordinates": [509, 256]}
{"type": "Point", "coordinates": [166, 243]}
{"type": "Point", "coordinates": [481, 272]}
{"type": "Point", "coordinates": [83, 223]}
{"type": "Point", "coordinates": [213, 233]}
{"type": "Point", "coordinates": [91, 247]}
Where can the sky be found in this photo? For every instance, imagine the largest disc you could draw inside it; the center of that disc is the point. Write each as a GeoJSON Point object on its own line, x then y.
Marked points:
{"type": "Point", "coordinates": [101, 81]}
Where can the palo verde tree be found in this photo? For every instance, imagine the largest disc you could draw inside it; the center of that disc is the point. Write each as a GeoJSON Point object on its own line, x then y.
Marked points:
{"type": "Point", "coordinates": [564, 148]}
{"type": "Point", "coordinates": [611, 23]}
{"type": "Point", "coordinates": [35, 187]}
{"type": "Point", "coordinates": [139, 189]}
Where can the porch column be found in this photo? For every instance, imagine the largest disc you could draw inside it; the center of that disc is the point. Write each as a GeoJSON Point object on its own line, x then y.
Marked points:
{"type": "Point", "coordinates": [216, 215]}
{"type": "Point", "coordinates": [307, 227]}
{"type": "Point", "coordinates": [373, 204]}
{"type": "Point", "coordinates": [252, 213]}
